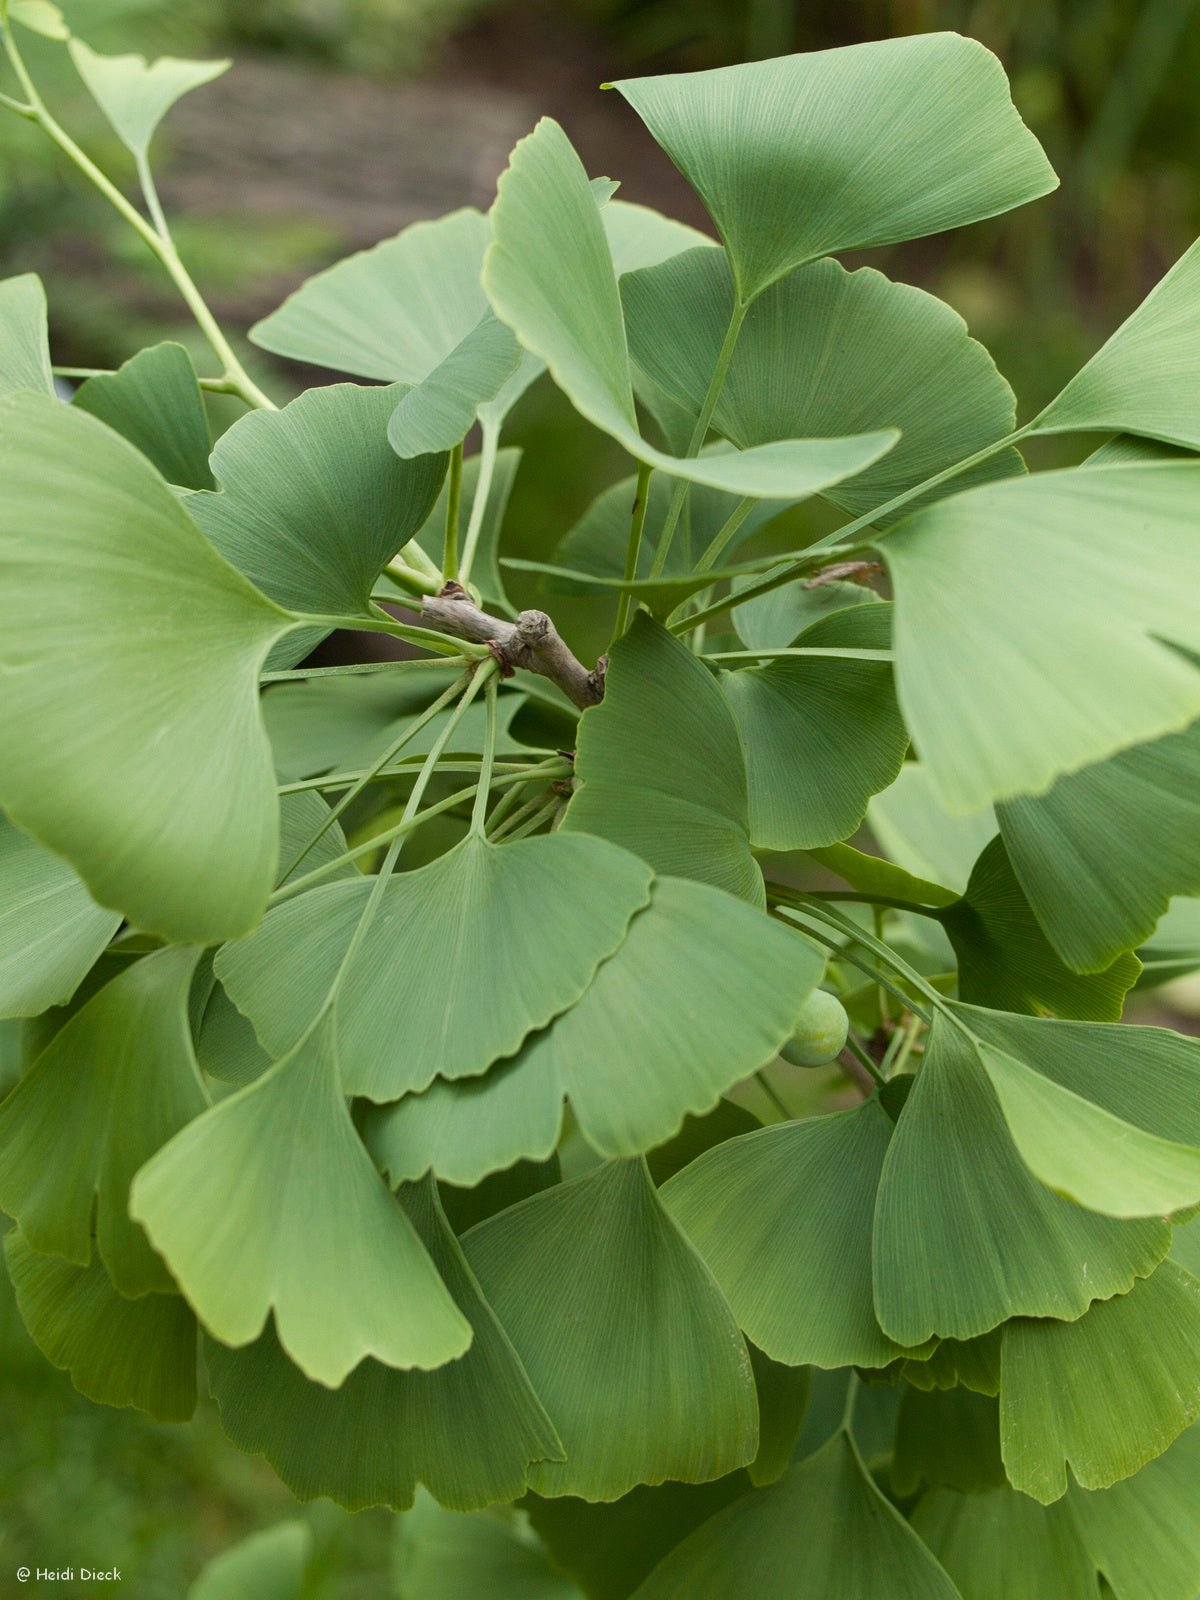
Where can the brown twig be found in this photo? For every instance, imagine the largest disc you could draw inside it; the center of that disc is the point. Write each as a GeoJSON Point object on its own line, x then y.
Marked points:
{"type": "Point", "coordinates": [532, 642]}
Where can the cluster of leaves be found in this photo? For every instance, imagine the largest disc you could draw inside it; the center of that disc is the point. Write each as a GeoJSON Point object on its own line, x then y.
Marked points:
{"type": "Point", "coordinates": [440, 1166]}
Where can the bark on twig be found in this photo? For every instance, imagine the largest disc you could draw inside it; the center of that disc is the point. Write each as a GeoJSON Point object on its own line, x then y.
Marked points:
{"type": "Point", "coordinates": [532, 642]}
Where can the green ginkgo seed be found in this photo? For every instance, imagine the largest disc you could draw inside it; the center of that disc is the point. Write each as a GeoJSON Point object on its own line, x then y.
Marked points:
{"type": "Point", "coordinates": [820, 1031]}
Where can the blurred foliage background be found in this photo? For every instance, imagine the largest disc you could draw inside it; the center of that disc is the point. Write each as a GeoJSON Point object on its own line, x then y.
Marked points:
{"type": "Point", "coordinates": [342, 121]}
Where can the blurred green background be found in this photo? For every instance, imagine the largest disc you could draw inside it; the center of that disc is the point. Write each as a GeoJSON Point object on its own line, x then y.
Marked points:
{"type": "Point", "coordinates": [342, 121]}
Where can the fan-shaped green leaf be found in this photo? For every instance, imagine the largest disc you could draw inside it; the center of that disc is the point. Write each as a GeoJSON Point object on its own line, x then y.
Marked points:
{"type": "Point", "coordinates": [965, 1236]}
{"type": "Point", "coordinates": [625, 1337]}
{"type": "Point", "coordinates": [1109, 1116]}
{"type": "Point", "coordinates": [442, 409]}
{"type": "Point", "coordinates": [975, 1363]}
{"type": "Point", "coordinates": [824, 352]}
{"type": "Point", "coordinates": [39, 16]}
{"type": "Point", "coordinates": [823, 1529]}
{"type": "Point", "coordinates": [1102, 852]}
{"type": "Point", "coordinates": [1000, 1545]}
{"type": "Point", "coordinates": [1144, 1533]}
{"type": "Point", "coordinates": [921, 837]}
{"type": "Point", "coordinates": [783, 1218]}
{"type": "Point", "coordinates": [155, 402]}
{"type": "Point", "coordinates": [775, 620]}
{"type": "Point", "coordinates": [787, 175]}
{"type": "Point", "coordinates": [118, 1352]}
{"type": "Point", "coordinates": [135, 95]}
{"type": "Point", "coordinates": [1144, 379]}
{"type": "Point", "coordinates": [51, 931]}
{"type": "Point", "coordinates": [269, 1565]}
{"type": "Point", "coordinates": [255, 1206]}
{"type": "Point", "coordinates": [501, 927]}
{"type": "Point", "coordinates": [111, 1087]}
{"type": "Point", "coordinates": [820, 736]}
{"type": "Point", "coordinates": [660, 767]}
{"type": "Point", "coordinates": [151, 773]}
{"type": "Point", "coordinates": [947, 1438]}
{"type": "Point", "coordinates": [467, 1431]}
{"type": "Point", "coordinates": [1105, 1394]}
{"type": "Point", "coordinates": [24, 341]}
{"type": "Point", "coordinates": [1006, 961]}
{"type": "Point", "coordinates": [443, 1555]}
{"type": "Point", "coordinates": [1071, 590]}
{"type": "Point", "coordinates": [669, 1021]}
{"type": "Point", "coordinates": [549, 275]}
{"type": "Point", "coordinates": [314, 501]}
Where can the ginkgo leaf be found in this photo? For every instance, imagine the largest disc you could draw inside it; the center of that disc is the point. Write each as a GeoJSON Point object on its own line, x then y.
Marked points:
{"type": "Point", "coordinates": [1143, 380]}
{"type": "Point", "coordinates": [1105, 1394]}
{"type": "Point", "coordinates": [468, 1430]}
{"type": "Point", "coordinates": [787, 176]}
{"type": "Point", "coordinates": [659, 595]}
{"type": "Point", "coordinates": [118, 1352]}
{"type": "Point", "coordinates": [783, 1218]}
{"type": "Point", "coordinates": [1048, 588]}
{"type": "Point", "coordinates": [253, 1205]}
{"type": "Point", "coordinates": [314, 501]}
{"type": "Point", "coordinates": [39, 16]}
{"type": "Point", "coordinates": [1006, 961]}
{"type": "Point", "coordinates": [820, 736]}
{"type": "Point", "coordinates": [950, 1260]}
{"type": "Point", "coordinates": [725, 1121]}
{"type": "Point", "coordinates": [775, 620]}
{"type": "Point", "coordinates": [1000, 1545]}
{"type": "Point", "coordinates": [670, 1020]}
{"type": "Point", "coordinates": [151, 773]}
{"type": "Point", "coordinates": [947, 1439]}
{"type": "Point", "coordinates": [659, 766]}
{"type": "Point", "coordinates": [226, 1045]}
{"type": "Point", "coordinates": [1101, 854]}
{"type": "Point", "coordinates": [439, 1555]}
{"type": "Point", "coordinates": [549, 275]}
{"type": "Point", "coordinates": [783, 1396]}
{"type": "Point", "coordinates": [975, 1363]}
{"type": "Point", "coordinates": [155, 402]}
{"type": "Point", "coordinates": [1144, 1533]}
{"type": "Point", "coordinates": [503, 924]}
{"type": "Point", "coordinates": [51, 931]}
{"type": "Point", "coordinates": [903, 360]}
{"type": "Point", "coordinates": [24, 341]}
{"type": "Point", "coordinates": [1173, 949]}
{"type": "Point", "coordinates": [914, 830]}
{"type": "Point", "coordinates": [624, 1335]}
{"type": "Point", "coordinates": [442, 409]}
{"type": "Point", "coordinates": [823, 1529]}
{"type": "Point", "coordinates": [111, 1087]}
{"type": "Point", "coordinates": [270, 1565]}
{"type": "Point", "coordinates": [1108, 1115]}
{"type": "Point", "coordinates": [135, 95]}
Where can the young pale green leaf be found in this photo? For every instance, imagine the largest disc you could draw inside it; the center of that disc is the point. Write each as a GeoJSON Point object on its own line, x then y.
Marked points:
{"type": "Point", "coordinates": [1047, 590]}
{"type": "Point", "coordinates": [270, 1565]}
{"type": "Point", "coordinates": [1101, 854]}
{"type": "Point", "coordinates": [1109, 1116]}
{"type": "Point", "coordinates": [775, 620]}
{"type": "Point", "coordinates": [111, 1087]}
{"type": "Point", "coordinates": [788, 174]}
{"type": "Point", "coordinates": [824, 352]}
{"type": "Point", "coordinates": [549, 274]}
{"type": "Point", "coordinates": [314, 502]}
{"type": "Point", "coordinates": [51, 931]}
{"type": "Point", "coordinates": [946, 1439]}
{"type": "Point", "coordinates": [24, 340]}
{"type": "Point", "coordinates": [443, 1555]}
{"type": "Point", "coordinates": [823, 1529]}
{"type": "Point", "coordinates": [442, 409]}
{"type": "Point", "coordinates": [623, 1333]}
{"type": "Point", "coordinates": [155, 402]}
{"type": "Point", "coordinates": [783, 1218]}
{"type": "Point", "coordinates": [468, 1430]}
{"type": "Point", "coordinates": [660, 767]}
{"type": "Point", "coordinates": [151, 773]}
{"type": "Point", "coordinates": [39, 16]}
{"type": "Point", "coordinates": [1066, 1395]}
{"type": "Point", "coordinates": [1144, 379]}
{"type": "Point", "coordinates": [950, 1257]}
{"type": "Point", "coordinates": [499, 926]}
{"type": "Point", "coordinates": [1144, 1533]}
{"type": "Point", "coordinates": [269, 1202]}
{"type": "Point", "coordinates": [913, 829]}
{"type": "Point", "coordinates": [670, 1020]}
{"type": "Point", "coordinates": [1006, 961]}
{"type": "Point", "coordinates": [875, 877]}
{"type": "Point", "coordinates": [1000, 1545]}
{"type": "Point", "coordinates": [820, 736]}
{"type": "Point", "coordinates": [135, 95]}
{"type": "Point", "coordinates": [118, 1352]}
